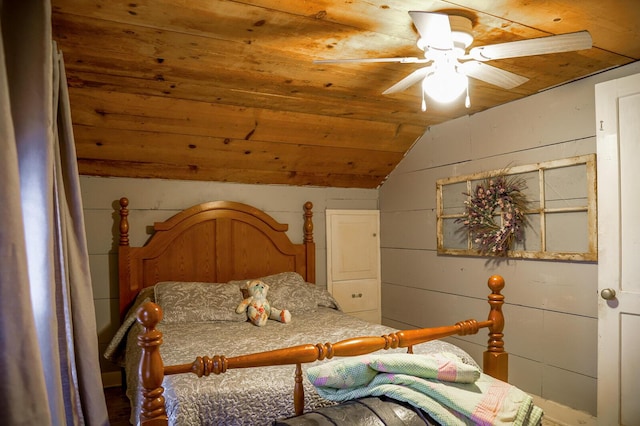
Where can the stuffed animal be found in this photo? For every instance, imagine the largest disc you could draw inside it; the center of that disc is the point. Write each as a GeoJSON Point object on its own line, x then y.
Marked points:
{"type": "Point", "coordinates": [258, 307]}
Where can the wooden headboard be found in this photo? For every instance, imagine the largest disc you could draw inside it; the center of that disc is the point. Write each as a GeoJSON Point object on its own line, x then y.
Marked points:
{"type": "Point", "coordinates": [216, 241]}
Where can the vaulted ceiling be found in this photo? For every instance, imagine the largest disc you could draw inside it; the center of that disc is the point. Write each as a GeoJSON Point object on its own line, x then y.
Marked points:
{"type": "Point", "coordinates": [223, 90]}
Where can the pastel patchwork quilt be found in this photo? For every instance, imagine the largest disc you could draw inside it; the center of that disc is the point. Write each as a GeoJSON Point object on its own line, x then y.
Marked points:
{"type": "Point", "coordinates": [451, 391]}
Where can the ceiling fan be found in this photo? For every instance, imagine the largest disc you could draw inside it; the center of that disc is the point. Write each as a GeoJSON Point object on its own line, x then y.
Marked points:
{"type": "Point", "coordinates": [444, 40]}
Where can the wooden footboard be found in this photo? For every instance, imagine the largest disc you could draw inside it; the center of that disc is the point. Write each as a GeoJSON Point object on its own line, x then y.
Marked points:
{"type": "Point", "coordinates": [152, 370]}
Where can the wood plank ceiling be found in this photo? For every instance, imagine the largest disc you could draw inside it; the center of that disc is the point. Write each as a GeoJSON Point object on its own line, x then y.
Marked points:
{"type": "Point", "coordinates": [221, 90]}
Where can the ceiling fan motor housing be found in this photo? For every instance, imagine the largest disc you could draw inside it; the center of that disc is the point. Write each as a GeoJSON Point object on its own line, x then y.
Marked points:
{"type": "Point", "coordinates": [461, 31]}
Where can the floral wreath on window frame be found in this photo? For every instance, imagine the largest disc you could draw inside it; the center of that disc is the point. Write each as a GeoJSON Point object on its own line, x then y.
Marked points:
{"type": "Point", "coordinates": [495, 214]}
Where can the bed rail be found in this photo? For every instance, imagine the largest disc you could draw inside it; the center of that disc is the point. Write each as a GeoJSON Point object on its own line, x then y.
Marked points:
{"type": "Point", "coordinates": [152, 370]}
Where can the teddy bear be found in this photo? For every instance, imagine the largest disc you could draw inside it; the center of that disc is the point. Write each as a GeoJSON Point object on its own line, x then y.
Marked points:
{"type": "Point", "coordinates": [258, 307]}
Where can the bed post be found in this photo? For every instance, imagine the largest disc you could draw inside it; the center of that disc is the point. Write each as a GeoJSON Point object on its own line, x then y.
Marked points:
{"type": "Point", "coordinates": [496, 360]}
{"type": "Point", "coordinates": [124, 221]}
{"type": "Point", "coordinates": [151, 370]}
{"type": "Point", "coordinates": [310, 245]}
{"type": "Point", "coordinates": [123, 252]}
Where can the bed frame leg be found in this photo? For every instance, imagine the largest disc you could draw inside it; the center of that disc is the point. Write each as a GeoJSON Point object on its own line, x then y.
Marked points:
{"type": "Point", "coordinates": [151, 368]}
{"type": "Point", "coordinates": [495, 359]}
{"type": "Point", "coordinates": [298, 392]}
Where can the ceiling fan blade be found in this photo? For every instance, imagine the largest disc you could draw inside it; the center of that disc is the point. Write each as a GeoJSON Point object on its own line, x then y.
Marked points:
{"type": "Point", "coordinates": [434, 29]}
{"type": "Point", "coordinates": [408, 60]}
{"type": "Point", "coordinates": [408, 81]}
{"type": "Point", "coordinates": [536, 46]}
{"type": "Point", "coordinates": [492, 75]}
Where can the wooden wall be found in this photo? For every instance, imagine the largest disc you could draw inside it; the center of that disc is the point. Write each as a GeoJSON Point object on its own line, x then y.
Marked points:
{"type": "Point", "coordinates": [551, 325]}
{"type": "Point", "coordinates": [152, 200]}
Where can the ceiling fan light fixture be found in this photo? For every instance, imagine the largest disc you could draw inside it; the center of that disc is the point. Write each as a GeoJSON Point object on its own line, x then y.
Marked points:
{"type": "Point", "coordinates": [444, 39]}
{"type": "Point", "coordinates": [445, 87]}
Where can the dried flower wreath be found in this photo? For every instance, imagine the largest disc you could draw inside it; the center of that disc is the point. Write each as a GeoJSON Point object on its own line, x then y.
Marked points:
{"type": "Point", "coordinates": [493, 232]}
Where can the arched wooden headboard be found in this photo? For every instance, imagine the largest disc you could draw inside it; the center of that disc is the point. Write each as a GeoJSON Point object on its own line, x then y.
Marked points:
{"type": "Point", "coordinates": [216, 241]}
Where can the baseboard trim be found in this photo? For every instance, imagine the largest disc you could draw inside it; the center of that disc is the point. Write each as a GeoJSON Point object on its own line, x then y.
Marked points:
{"type": "Point", "coordinates": [111, 379]}
{"type": "Point", "coordinates": [562, 415]}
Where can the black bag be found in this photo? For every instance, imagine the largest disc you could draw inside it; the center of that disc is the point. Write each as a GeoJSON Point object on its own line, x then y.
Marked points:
{"type": "Point", "coordinates": [370, 411]}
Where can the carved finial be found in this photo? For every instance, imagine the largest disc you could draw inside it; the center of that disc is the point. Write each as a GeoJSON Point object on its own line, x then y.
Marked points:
{"type": "Point", "coordinates": [308, 223]}
{"type": "Point", "coordinates": [496, 360]}
{"type": "Point", "coordinates": [496, 283]}
{"type": "Point", "coordinates": [124, 221]}
{"type": "Point", "coordinates": [496, 300]}
{"type": "Point", "coordinates": [149, 315]}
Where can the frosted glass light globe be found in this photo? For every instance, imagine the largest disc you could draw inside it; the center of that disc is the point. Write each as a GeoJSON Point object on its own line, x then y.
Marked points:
{"type": "Point", "coordinates": [444, 86]}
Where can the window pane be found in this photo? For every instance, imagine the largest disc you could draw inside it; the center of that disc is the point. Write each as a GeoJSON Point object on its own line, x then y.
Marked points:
{"type": "Point", "coordinates": [454, 234]}
{"type": "Point", "coordinates": [531, 235]}
{"type": "Point", "coordinates": [566, 186]}
{"type": "Point", "coordinates": [453, 198]}
{"type": "Point", "coordinates": [567, 232]}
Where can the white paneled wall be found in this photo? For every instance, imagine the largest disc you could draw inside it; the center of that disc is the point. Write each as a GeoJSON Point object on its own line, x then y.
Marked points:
{"type": "Point", "coordinates": [551, 325]}
{"type": "Point", "coordinates": [153, 200]}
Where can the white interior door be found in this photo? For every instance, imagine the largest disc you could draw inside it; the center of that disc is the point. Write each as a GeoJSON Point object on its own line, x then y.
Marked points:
{"type": "Point", "coordinates": [353, 261]}
{"type": "Point", "coordinates": [618, 139]}
{"type": "Point", "coordinates": [355, 244]}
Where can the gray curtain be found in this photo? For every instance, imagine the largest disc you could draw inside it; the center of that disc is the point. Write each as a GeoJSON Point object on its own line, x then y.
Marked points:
{"type": "Point", "coordinates": [49, 368]}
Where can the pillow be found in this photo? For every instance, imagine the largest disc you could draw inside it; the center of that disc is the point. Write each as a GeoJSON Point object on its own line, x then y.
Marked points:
{"type": "Point", "coordinates": [325, 299]}
{"type": "Point", "coordinates": [288, 290]}
{"type": "Point", "coordinates": [198, 302]}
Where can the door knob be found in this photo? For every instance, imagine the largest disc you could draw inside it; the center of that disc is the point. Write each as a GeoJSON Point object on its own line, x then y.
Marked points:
{"type": "Point", "coordinates": [608, 294]}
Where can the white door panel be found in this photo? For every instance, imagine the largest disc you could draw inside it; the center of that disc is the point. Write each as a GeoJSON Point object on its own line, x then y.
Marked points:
{"type": "Point", "coordinates": [356, 234]}
{"type": "Point", "coordinates": [618, 136]}
{"type": "Point", "coordinates": [353, 261]}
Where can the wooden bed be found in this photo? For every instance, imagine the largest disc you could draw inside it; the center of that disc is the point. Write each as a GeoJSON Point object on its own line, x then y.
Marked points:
{"type": "Point", "coordinates": [221, 241]}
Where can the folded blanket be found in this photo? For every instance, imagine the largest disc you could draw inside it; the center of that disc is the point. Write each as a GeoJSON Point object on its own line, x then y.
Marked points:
{"type": "Point", "coordinates": [452, 392]}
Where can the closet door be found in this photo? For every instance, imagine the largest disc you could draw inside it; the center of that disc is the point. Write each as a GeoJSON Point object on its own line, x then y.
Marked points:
{"type": "Point", "coordinates": [618, 139]}
{"type": "Point", "coordinates": [353, 261]}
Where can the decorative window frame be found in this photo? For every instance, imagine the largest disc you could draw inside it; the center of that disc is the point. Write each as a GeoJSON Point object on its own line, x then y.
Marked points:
{"type": "Point", "coordinates": [538, 212]}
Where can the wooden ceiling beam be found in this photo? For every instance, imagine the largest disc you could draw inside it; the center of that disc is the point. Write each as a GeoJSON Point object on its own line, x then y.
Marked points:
{"type": "Point", "coordinates": [147, 170]}
{"type": "Point", "coordinates": [211, 152]}
{"type": "Point", "coordinates": [103, 109]}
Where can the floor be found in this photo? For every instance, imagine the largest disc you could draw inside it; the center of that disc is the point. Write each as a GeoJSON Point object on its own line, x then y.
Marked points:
{"type": "Point", "coordinates": [117, 406]}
